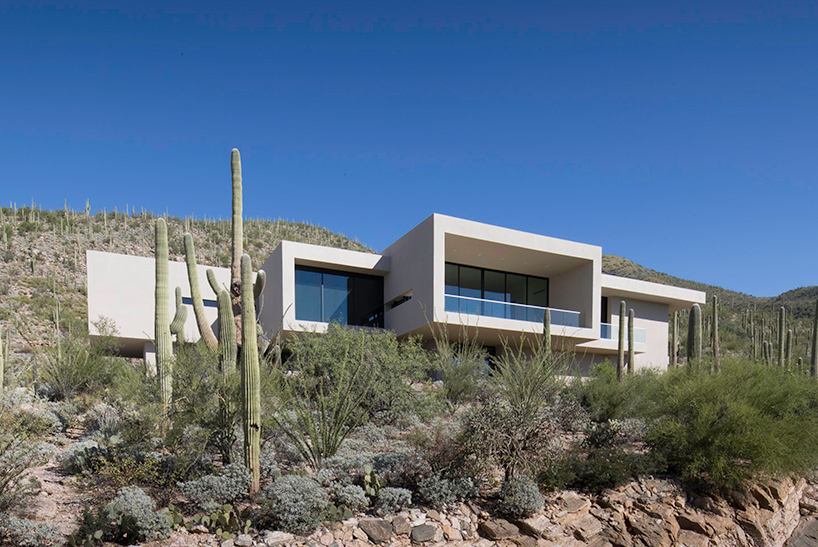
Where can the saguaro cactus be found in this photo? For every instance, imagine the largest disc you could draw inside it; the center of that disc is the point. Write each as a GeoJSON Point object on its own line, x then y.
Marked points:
{"type": "Point", "coordinates": [164, 347]}
{"type": "Point", "coordinates": [177, 326]}
{"type": "Point", "coordinates": [631, 349]}
{"type": "Point", "coordinates": [813, 368]}
{"type": "Point", "coordinates": [716, 356]}
{"type": "Point", "coordinates": [228, 350]}
{"type": "Point", "coordinates": [674, 341]}
{"type": "Point", "coordinates": [196, 296]}
{"type": "Point", "coordinates": [620, 364]}
{"type": "Point", "coordinates": [694, 335]}
{"type": "Point", "coordinates": [782, 321]}
{"type": "Point", "coordinates": [788, 350]}
{"type": "Point", "coordinates": [546, 332]}
{"type": "Point", "coordinates": [2, 363]}
{"type": "Point", "coordinates": [250, 376]}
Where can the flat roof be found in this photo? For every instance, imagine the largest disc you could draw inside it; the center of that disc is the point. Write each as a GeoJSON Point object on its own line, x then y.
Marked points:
{"type": "Point", "coordinates": [677, 298]}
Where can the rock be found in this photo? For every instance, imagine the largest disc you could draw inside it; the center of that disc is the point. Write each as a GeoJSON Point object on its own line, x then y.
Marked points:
{"type": "Point", "coordinates": [586, 528]}
{"type": "Point", "coordinates": [451, 533]}
{"type": "Point", "coordinates": [465, 510]}
{"type": "Point", "coordinates": [327, 539]}
{"type": "Point", "coordinates": [647, 531]}
{"type": "Point", "coordinates": [401, 526]}
{"type": "Point", "coordinates": [277, 538]}
{"type": "Point", "coordinates": [199, 529]}
{"type": "Point", "coordinates": [434, 515]}
{"type": "Point", "coordinates": [422, 533]}
{"type": "Point", "coordinates": [243, 540]}
{"type": "Point", "coordinates": [227, 543]}
{"type": "Point", "coordinates": [692, 522]}
{"type": "Point", "coordinates": [574, 503]}
{"type": "Point", "coordinates": [524, 541]}
{"type": "Point", "coordinates": [534, 526]}
{"type": "Point", "coordinates": [377, 530]}
{"type": "Point", "coordinates": [806, 535]}
{"type": "Point", "coordinates": [763, 498]}
{"type": "Point", "coordinates": [688, 538]}
{"type": "Point", "coordinates": [498, 529]}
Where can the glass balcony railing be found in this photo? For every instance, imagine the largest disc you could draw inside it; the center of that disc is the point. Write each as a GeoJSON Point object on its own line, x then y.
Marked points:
{"type": "Point", "coordinates": [507, 310]}
{"type": "Point", "coordinates": [608, 332]}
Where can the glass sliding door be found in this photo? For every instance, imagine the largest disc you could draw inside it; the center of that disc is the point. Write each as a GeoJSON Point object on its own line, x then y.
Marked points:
{"type": "Point", "coordinates": [340, 297]}
{"type": "Point", "coordinates": [308, 296]}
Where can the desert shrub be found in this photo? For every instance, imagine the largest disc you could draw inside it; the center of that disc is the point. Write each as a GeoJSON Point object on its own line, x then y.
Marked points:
{"type": "Point", "coordinates": [598, 469]}
{"type": "Point", "coordinates": [132, 518]}
{"type": "Point", "coordinates": [605, 399]}
{"type": "Point", "coordinates": [461, 366]}
{"type": "Point", "coordinates": [401, 468]}
{"type": "Point", "coordinates": [393, 500]}
{"type": "Point", "coordinates": [520, 497]}
{"type": "Point", "coordinates": [20, 449]}
{"type": "Point", "coordinates": [75, 458]}
{"type": "Point", "coordinates": [515, 425]}
{"type": "Point", "coordinates": [352, 497]}
{"type": "Point", "coordinates": [440, 444]}
{"type": "Point", "coordinates": [716, 431]}
{"type": "Point", "coordinates": [26, 533]}
{"type": "Point", "coordinates": [103, 420]}
{"type": "Point", "coordinates": [119, 466]}
{"type": "Point", "coordinates": [294, 503]}
{"type": "Point", "coordinates": [439, 492]}
{"type": "Point", "coordinates": [212, 491]}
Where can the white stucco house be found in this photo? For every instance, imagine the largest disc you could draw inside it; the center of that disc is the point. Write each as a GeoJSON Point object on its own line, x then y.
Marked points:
{"type": "Point", "coordinates": [490, 282]}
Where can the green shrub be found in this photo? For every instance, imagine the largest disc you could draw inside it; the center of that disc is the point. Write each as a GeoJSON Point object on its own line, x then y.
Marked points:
{"type": "Point", "coordinates": [600, 468]}
{"type": "Point", "coordinates": [352, 497]}
{"type": "Point", "coordinates": [393, 500]}
{"type": "Point", "coordinates": [20, 450]}
{"type": "Point", "coordinates": [26, 533]}
{"type": "Point", "coordinates": [132, 518]}
{"type": "Point", "coordinates": [294, 504]}
{"type": "Point", "coordinates": [716, 431]}
{"type": "Point", "coordinates": [520, 497]}
{"type": "Point", "coordinates": [439, 492]}
{"type": "Point", "coordinates": [401, 468]}
{"type": "Point", "coordinates": [213, 491]}
{"type": "Point", "coordinates": [76, 458]}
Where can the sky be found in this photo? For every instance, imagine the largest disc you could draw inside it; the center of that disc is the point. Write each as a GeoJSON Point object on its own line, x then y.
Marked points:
{"type": "Point", "coordinates": [680, 135]}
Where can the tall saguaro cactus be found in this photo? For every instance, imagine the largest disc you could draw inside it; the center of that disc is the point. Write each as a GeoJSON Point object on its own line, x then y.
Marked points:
{"type": "Point", "coordinates": [694, 335]}
{"type": "Point", "coordinates": [782, 322]}
{"type": "Point", "coordinates": [164, 347]}
{"type": "Point", "coordinates": [250, 376]}
{"type": "Point", "coordinates": [620, 364]}
{"type": "Point", "coordinates": [2, 364]}
{"type": "Point", "coordinates": [196, 296]}
{"type": "Point", "coordinates": [813, 368]}
{"type": "Point", "coordinates": [716, 356]}
{"type": "Point", "coordinates": [674, 341]}
{"type": "Point", "coordinates": [546, 332]}
{"type": "Point", "coordinates": [788, 350]}
{"type": "Point", "coordinates": [228, 349]}
{"type": "Point", "coordinates": [631, 349]}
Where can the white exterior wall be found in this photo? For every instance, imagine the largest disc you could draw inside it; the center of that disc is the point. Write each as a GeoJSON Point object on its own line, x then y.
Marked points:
{"type": "Point", "coordinates": [653, 317]}
{"type": "Point", "coordinates": [122, 287]}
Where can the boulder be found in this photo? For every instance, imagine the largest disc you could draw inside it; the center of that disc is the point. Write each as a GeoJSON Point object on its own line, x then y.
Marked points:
{"type": "Point", "coordinates": [498, 529]}
{"type": "Point", "coordinates": [377, 530]}
{"type": "Point", "coordinates": [422, 533]}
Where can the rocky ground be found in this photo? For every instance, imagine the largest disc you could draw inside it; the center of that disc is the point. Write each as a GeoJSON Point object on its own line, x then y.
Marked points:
{"type": "Point", "coordinates": [647, 513]}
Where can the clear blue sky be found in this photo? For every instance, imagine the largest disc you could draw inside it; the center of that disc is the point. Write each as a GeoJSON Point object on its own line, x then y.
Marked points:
{"type": "Point", "coordinates": [683, 136]}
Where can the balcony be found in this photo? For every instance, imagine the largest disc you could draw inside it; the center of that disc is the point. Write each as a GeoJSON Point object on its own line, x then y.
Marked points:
{"type": "Point", "coordinates": [608, 332]}
{"type": "Point", "coordinates": [508, 310]}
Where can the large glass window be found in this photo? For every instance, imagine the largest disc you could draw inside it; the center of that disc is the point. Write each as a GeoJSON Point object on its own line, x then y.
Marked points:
{"type": "Point", "coordinates": [341, 297]}
{"type": "Point", "coordinates": [479, 291]}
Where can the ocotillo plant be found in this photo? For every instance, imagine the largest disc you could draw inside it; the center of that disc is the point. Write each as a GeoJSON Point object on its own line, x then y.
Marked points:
{"type": "Point", "coordinates": [620, 364]}
{"type": "Point", "coordinates": [716, 357]}
{"type": "Point", "coordinates": [813, 368]}
{"type": "Point", "coordinates": [164, 348]}
{"type": "Point", "coordinates": [631, 349]}
{"type": "Point", "coordinates": [694, 335]}
{"type": "Point", "coordinates": [250, 376]}
{"type": "Point", "coordinates": [781, 333]}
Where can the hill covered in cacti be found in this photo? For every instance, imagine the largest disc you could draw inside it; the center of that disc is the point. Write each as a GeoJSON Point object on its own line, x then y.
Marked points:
{"type": "Point", "coordinates": [43, 257]}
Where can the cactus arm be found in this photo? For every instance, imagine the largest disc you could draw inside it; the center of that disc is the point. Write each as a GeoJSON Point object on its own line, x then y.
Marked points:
{"type": "Point", "coordinates": [177, 326]}
{"type": "Point", "coordinates": [258, 286]}
{"type": "Point", "coordinates": [196, 296]}
{"type": "Point", "coordinates": [228, 350]}
{"type": "Point", "coordinates": [250, 376]}
{"type": "Point", "coordinates": [164, 349]}
{"type": "Point", "coordinates": [211, 279]}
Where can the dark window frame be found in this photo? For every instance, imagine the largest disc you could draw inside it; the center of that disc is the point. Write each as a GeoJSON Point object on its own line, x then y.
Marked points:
{"type": "Point", "coordinates": [374, 319]}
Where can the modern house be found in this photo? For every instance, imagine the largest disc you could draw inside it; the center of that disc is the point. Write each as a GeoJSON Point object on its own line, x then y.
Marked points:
{"type": "Point", "coordinates": [490, 283]}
